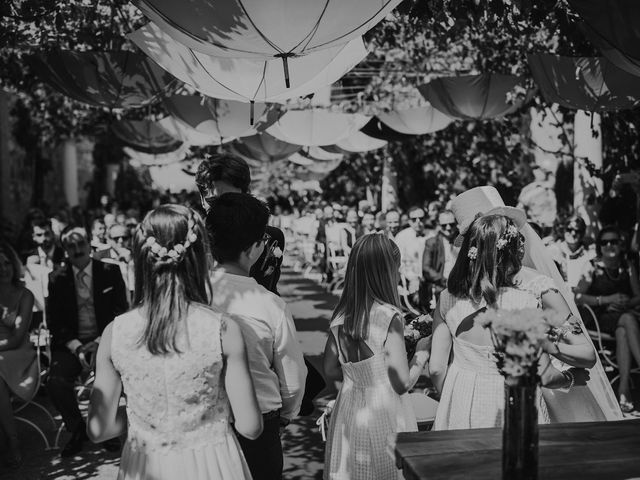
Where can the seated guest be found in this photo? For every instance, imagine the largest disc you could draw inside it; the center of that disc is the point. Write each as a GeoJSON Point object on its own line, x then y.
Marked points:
{"type": "Point", "coordinates": [438, 259]}
{"type": "Point", "coordinates": [84, 296]}
{"type": "Point", "coordinates": [45, 251]}
{"type": "Point", "coordinates": [571, 254]}
{"type": "Point", "coordinates": [236, 224]}
{"type": "Point", "coordinates": [349, 232]}
{"type": "Point", "coordinates": [18, 363]}
{"type": "Point", "coordinates": [410, 241]}
{"type": "Point", "coordinates": [98, 235]}
{"type": "Point", "coordinates": [391, 224]}
{"type": "Point", "coordinates": [368, 224]}
{"type": "Point", "coordinates": [609, 284]}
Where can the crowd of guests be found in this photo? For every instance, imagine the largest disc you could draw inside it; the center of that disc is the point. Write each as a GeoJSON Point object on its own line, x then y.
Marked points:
{"type": "Point", "coordinates": [180, 310]}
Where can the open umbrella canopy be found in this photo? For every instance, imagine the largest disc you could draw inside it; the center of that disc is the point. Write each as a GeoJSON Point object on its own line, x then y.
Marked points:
{"type": "Point", "coordinates": [316, 126]}
{"type": "Point", "coordinates": [416, 121]}
{"type": "Point", "coordinates": [592, 84]}
{"type": "Point", "coordinates": [221, 119]}
{"type": "Point", "coordinates": [265, 29]}
{"type": "Point", "coordinates": [145, 136]}
{"type": "Point", "coordinates": [473, 97]}
{"type": "Point", "coordinates": [614, 27]}
{"type": "Point", "coordinates": [189, 135]}
{"type": "Point", "coordinates": [104, 79]}
{"type": "Point", "coordinates": [244, 79]}
{"type": "Point", "coordinates": [264, 148]}
{"type": "Point", "coordinates": [141, 158]}
{"type": "Point", "coordinates": [378, 130]}
{"type": "Point", "coordinates": [360, 142]}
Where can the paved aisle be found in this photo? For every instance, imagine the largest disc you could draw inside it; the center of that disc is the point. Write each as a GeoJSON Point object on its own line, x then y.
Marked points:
{"type": "Point", "coordinates": [304, 449]}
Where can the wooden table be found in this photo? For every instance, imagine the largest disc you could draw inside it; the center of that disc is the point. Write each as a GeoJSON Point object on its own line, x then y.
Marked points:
{"type": "Point", "coordinates": [584, 451]}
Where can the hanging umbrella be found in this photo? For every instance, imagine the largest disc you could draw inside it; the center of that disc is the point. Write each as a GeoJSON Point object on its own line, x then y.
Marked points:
{"type": "Point", "coordinates": [280, 29]}
{"type": "Point", "coordinates": [148, 159]}
{"type": "Point", "coordinates": [472, 97]}
{"type": "Point", "coordinates": [317, 153]}
{"type": "Point", "coordinates": [248, 80]}
{"type": "Point", "coordinates": [378, 130]}
{"type": "Point", "coordinates": [189, 135]}
{"type": "Point", "coordinates": [416, 121]}
{"type": "Point", "coordinates": [316, 127]}
{"type": "Point", "coordinates": [264, 148]}
{"type": "Point", "coordinates": [592, 84]}
{"type": "Point", "coordinates": [612, 26]}
{"type": "Point", "coordinates": [145, 136]}
{"type": "Point", "coordinates": [221, 119]}
{"type": "Point", "coordinates": [360, 142]}
{"type": "Point", "coordinates": [104, 79]}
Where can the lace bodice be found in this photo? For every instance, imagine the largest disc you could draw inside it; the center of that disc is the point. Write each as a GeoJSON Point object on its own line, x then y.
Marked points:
{"type": "Point", "coordinates": [174, 401]}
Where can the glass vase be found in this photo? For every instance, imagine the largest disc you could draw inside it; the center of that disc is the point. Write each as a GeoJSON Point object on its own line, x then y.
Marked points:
{"type": "Point", "coordinates": [520, 431]}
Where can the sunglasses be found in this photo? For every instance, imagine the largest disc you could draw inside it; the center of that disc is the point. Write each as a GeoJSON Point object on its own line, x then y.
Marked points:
{"type": "Point", "coordinates": [610, 242]}
{"type": "Point", "coordinates": [448, 225]}
{"type": "Point", "coordinates": [574, 230]}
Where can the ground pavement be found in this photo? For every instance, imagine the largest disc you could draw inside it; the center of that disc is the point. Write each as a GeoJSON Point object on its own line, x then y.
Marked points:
{"type": "Point", "coordinates": [303, 446]}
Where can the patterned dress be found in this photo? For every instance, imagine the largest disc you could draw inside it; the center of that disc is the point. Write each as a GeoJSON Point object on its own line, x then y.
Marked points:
{"type": "Point", "coordinates": [177, 407]}
{"type": "Point", "coordinates": [367, 411]}
{"type": "Point", "coordinates": [473, 390]}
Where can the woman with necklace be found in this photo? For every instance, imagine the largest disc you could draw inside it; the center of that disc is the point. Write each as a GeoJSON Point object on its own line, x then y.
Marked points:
{"type": "Point", "coordinates": [610, 286]}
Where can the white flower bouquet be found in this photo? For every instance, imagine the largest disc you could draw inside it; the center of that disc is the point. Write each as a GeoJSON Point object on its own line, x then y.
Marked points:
{"type": "Point", "coordinates": [415, 329]}
{"type": "Point", "coordinates": [518, 336]}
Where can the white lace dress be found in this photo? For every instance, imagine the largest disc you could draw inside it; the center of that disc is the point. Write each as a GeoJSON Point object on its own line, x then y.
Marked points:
{"type": "Point", "coordinates": [177, 407]}
{"type": "Point", "coordinates": [473, 390]}
{"type": "Point", "coordinates": [367, 411]}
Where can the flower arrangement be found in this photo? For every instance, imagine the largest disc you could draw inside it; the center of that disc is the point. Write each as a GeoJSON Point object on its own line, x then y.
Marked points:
{"type": "Point", "coordinates": [518, 336]}
{"type": "Point", "coordinates": [416, 328]}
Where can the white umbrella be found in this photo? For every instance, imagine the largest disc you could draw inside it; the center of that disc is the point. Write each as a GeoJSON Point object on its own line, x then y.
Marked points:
{"type": "Point", "coordinates": [316, 127]}
{"type": "Point", "coordinates": [360, 142]}
{"type": "Point", "coordinates": [248, 80]}
{"type": "Point", "coordinates": [190, 135]}
{"type": "Point", "coordinates": [416, 121]}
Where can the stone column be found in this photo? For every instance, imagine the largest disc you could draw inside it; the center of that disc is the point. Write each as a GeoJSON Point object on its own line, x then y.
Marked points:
{"type": "Point", "coordinates": [587, 188]}
{"type": "Point", "coordinates": [70, 171]}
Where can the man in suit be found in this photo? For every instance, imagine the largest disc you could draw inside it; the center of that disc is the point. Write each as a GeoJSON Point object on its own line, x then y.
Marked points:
{"type": "Point", "coordinates": [85, 295]}
{"type": "Point", "coordinates": [438, 259]}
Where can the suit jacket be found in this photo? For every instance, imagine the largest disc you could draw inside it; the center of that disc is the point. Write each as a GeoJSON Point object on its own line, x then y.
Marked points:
{"type": "Point", "coordinates": [109, 300]}
{"type": "Point", "coordinates": [433, 260]}
{"type": "Point", "coordinates": [266, 270]}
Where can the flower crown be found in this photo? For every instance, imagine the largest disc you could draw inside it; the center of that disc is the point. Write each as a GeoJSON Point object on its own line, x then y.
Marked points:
{"type": "Point", "coordinates": [176, 253]}
{"type": "Point", "coordinates": [509, 234]}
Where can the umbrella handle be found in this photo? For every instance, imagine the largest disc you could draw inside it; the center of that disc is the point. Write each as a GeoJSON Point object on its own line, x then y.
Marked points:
{"type": "Point", "coordinates": [285, 64]}
{"type": "Point", "coordinates": [251, 111]}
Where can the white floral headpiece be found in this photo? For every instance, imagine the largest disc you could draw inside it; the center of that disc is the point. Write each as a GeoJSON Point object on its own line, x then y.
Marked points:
{"type": "Point", "coordinates": [509, 234]}
{"type": "Point", "coordinates": [175, 253]}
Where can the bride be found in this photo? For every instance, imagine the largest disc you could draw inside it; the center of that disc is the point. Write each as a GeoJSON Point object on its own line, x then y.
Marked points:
{"type": "Point", "coordinates": [539, 275]}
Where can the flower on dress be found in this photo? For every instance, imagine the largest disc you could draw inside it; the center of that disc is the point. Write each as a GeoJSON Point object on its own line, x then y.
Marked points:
{"type": "Point", "coordinates": [472, 253]}
{"type": "Point", "coordinates": [277, 252]}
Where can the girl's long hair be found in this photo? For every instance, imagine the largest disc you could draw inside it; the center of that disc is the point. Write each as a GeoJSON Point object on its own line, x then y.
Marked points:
{"type": "Point", "coordinates": [164, 285]}
{"type": "Point", "coordinates": [12, 256]}
{"type": "Point", "coordinates": [372, 275]}
{"type": "Point", "coordinates": [492, 268]}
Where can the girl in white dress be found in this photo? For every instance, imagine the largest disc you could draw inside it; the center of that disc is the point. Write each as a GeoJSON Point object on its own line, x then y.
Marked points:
{"type": "Point", "coordinates": [484, 276]}
{"type": "Point", "coordinates": [366, 350]}
{"type": "Point", "coordinates": [182, 366]}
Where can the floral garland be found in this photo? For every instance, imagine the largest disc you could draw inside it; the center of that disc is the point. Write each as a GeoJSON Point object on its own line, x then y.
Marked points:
{"type": "Point", "coordinates": [176, 253]}
{"type": "Point", "coordinates": [509, 234]}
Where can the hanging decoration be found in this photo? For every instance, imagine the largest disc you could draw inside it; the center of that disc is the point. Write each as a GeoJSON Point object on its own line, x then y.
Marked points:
{"type": "Point", "coordinates": [145, 136]}
{"type": "Point", "coordinates": [316, 126]}
{"type": "Point", "coordinates": [474, 97]}
{"type": "Point", "coordinates": [277, 29]}
{"type": "Point", "coordinates": [416, 121]}
{"type": "Point", "coordinates": [612, 26]}
{"type": "Point", "coordinates": [264, 148]}
{"type": "Point", "coordinates": [104, 79]}
{"type": "Point", "coordinates": [248, 80]}
{"type": "Point", "coordinates": [592, 84]}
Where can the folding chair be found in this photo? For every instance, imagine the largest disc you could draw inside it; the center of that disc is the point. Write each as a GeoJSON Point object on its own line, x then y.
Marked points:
{"type": "Point", "coordinates": [41, 339]}
{"type": "Point", "coordinates": [337, 263]}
